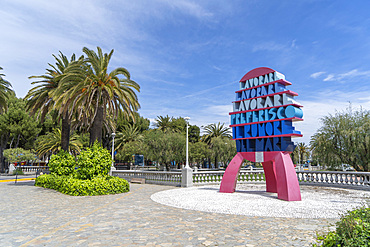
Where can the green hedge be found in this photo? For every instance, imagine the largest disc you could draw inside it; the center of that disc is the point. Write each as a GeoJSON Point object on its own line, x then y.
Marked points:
{"type": "Point", "coordinates": [77, 187]}
{"type": "Point", "coordinates": [88, 176]}
{"type": "Point", "coordinates": [353, 229]}
{"type": "Point", "coordinates": [94, 161]}
{"type": "Point", "coordinates": [62, 164]}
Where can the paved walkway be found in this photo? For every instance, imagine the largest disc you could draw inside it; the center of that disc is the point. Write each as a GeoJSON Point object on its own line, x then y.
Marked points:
{"type": "Point", "coordinates": [34, 216]}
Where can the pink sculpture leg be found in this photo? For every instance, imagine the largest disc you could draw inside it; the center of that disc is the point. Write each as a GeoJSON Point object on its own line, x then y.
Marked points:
{"type": "Point", "coordinates": [270, 176]}
{"type": "Point", "coordinates": [230, 177]}
{"type": "Point", "coordinates": [287, 181]}
{"type": "Point", "coordinates": [280, 174]}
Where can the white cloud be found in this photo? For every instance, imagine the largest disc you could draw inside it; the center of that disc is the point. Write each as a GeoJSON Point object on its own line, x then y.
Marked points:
{"type": "Point", "coordinates": [330, 77]}
{"type": "Point", "coordinates": [317, 74]}
{"type": "Point", "coordinates": [220, 110]}
{"type": "Point", "coordinates": [190, 8]}
{"type": "Point", "coordinates": [209, 90]}
{"type": "Point", "coordinates": [293, 45]}
{"type": "Point", "coordinates": [348, 75]}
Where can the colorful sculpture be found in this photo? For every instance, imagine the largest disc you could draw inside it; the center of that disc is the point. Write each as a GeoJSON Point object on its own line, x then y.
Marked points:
{"type": "Point", "coordinates": [261, 122]}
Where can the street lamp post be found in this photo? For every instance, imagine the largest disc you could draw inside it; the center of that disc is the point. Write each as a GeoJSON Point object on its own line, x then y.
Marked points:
{"type": "Point", "coordinates": [187, 142]}
{"type": "Point", "coordinates": [187, 172]}
{"type": "Point", "coordinates": [112, 167]}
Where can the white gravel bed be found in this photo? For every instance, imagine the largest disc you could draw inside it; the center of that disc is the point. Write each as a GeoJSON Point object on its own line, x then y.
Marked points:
{"type": "Point", "coordinates": [253, 200]}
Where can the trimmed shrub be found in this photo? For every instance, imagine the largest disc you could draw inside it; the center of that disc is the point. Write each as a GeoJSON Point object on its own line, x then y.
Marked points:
{"type": "Point", "coordinates": [78, 187]}
{"type": "Point", "coordinates": [96, 186]}
{"type": "Point", "coordinates": [91, 177]}
{"type": "Point", "coordinates": [94, 161]}
{"type": "Point", "coordinates": [62, 164]}
{"type": "Point", "coordinates": [50, 181]}
{"type": "Point", "coordinates": [353, 229]}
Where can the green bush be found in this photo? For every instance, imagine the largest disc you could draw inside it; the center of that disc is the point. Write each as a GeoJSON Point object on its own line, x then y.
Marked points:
{"type": "Point", "coordinates": [94, 161]}
{"type": "Point", "coordinates": [62, 164]}
{"type": "Point", "coordinates": [50, 181]}
{"type": "Point", "coordinates": [91, 177]}
{"type": "Point", "coordinates": [78, 187]}
{"type": "Point", "coordinates": [353, 229]}
{"type": "Point", "coordinates": [96, 186]}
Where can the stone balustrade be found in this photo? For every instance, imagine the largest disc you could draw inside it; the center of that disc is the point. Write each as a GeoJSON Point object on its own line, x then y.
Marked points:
{"type": "Point", "coordinates": [215, 177]}
{"type": "Point", "coordinates": [151, 177]}
{"type": "Point", "coordinates": [33, 169]}
{"type": "Point", "coordinates": [326, 178]}
{"type": "Point", "coordinates": [334, 178]}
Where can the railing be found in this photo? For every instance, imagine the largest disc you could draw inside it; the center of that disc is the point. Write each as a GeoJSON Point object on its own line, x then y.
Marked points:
{"type": "Point", "coordinates": [215, 177]}
{"type": "Point", "coordinates": [207, 177]}
{"type": "Point", "coordinates": [143, 168]}
{"type": "Point", "coordinates": [124, 166]}
{"type": "Point", "coordinates": [325, 178]}
{"type": "Point", "coordinates": [151, 177]}
{"type": "Point", "coordinates": [334, 178]}
{"type": "Point", "coordinates": [33, 169]}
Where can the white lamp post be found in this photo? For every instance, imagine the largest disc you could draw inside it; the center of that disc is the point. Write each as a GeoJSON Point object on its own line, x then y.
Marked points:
{"type": "Point", "coordinates": [112, 167]}
{"type": "Point", "coordinates": [187, 142]}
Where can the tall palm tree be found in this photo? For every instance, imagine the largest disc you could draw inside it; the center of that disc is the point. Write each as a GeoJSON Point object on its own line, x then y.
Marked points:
{"type": "Point", "coordinates": [100, 93]}
{"type": "Point", "coordinates": [41, 98]}
{"type": "Point", "coordinates": [4, 96]}
{"type": "Point", "coordinates": [5, 87]}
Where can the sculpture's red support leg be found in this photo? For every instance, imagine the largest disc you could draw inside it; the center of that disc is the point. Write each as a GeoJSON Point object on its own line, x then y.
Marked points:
{"type": "Point", "coordinates": [287, 181]}
{"type": "Point", "coordinates": [230, 177]}
{"type": "Point", "coordinates": [270, 176]}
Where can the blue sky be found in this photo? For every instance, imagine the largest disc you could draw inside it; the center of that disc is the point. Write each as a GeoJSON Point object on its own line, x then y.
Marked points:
{"type": "Point", "coordinates": [188, 56]}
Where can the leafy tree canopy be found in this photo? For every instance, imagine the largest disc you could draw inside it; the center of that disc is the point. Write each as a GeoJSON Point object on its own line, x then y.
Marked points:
{"type": "Point", "coordinates": [16, 125]}
{"type": "Point", "coordinates": [164, 147]}
{"type": "Point", "coordinates": [18, 155]}
{"type": "Point", "coordinates": [344, 138]}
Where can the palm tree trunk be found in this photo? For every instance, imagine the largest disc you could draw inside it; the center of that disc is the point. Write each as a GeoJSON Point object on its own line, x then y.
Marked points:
{"type": "Point", "coordinates": [97, 126]}
{"type": "Point", "coordinates": [66, 128]}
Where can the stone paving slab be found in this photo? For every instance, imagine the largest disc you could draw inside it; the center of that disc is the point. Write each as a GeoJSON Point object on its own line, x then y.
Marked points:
{"type": "Point", "coordinates": [34, 216]}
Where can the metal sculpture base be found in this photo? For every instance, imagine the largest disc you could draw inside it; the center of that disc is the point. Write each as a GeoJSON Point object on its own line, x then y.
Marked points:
{"type": "Point", "coordinates": [280, 174]}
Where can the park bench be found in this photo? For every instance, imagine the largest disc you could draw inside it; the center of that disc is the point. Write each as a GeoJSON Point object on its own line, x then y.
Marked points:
{"type": "Point", "coordinates": [138, 180]}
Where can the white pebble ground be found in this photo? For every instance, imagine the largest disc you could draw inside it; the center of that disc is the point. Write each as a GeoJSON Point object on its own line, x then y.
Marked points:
{"type": "Point", "coordinates": [253, 200]}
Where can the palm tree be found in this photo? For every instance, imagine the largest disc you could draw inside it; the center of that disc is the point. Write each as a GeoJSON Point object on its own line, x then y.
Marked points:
{"type": "Point", "coordinates": [163, 123]}
{"type": "Point", "coordinates": [100, 94]}
{"type": "Point", "coordinates": [51, 143]}
{"type": "Point", "coordinates": [4, 88]}
{"type": "Point", "coordinates": [41, 98]}
{"type": "Point", "coordinates": [4, 96]}
{"type": "Point", "coordinates": [128, 133]}
{"type": "Point", "coordinates": [302, 149]}
{"type": "Point", "coordinates": [215, 130]}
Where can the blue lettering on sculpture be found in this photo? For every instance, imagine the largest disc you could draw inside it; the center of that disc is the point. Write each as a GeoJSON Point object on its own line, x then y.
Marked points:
{"type": "Point", "coordinates": [263, 113]}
